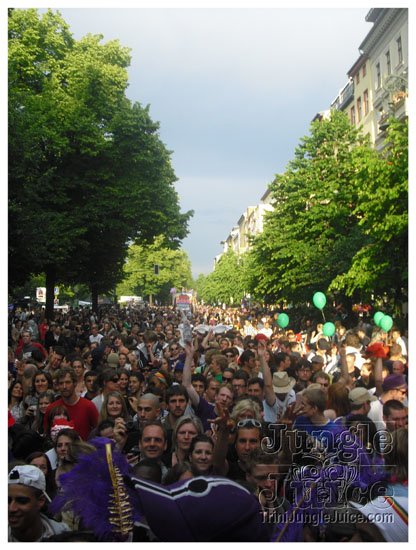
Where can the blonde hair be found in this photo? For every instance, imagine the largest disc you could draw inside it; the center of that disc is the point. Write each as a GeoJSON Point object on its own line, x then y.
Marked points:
{"type": "Point", "coordinates": [246, 405]}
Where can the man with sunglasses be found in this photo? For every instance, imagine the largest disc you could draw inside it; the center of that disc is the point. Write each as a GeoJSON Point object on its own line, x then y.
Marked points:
{"type": "Point", "coordinates": [393, 387]}
{"type": "Point", "coordinates": [232, 355]}
{"type": "Point", "coordinates": [230, 459]}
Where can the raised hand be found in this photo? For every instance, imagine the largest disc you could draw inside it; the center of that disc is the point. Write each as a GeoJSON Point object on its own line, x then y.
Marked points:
{"type": "Point", "coordinates": [223, 421]}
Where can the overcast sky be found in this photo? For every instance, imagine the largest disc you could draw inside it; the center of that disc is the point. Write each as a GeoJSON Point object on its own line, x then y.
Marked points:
{"type": "Point", "coordinates": [234, 90]}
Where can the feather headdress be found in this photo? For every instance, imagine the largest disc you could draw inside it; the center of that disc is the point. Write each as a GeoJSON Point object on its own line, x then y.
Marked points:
{"type": "Point", "coordinates": [94, 490]}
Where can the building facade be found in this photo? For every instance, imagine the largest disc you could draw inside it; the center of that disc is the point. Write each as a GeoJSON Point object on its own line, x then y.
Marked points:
{"type": "Point", "coordinates": [378, 81]}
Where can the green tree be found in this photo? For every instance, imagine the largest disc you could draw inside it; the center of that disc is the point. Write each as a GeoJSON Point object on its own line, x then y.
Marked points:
{"type": "Point", "coordinates": [312, 234]}
{"type": "Point", "coordinates": [87, 170]}
{"type": "Point", "coordinates": [380, 267]}
{"type": "Point", "coordinates": [226, 284]}
{"type": "Point", "coordinates": [139, 274]}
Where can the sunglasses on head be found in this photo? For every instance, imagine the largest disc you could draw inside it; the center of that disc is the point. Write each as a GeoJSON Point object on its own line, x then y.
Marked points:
{"type": "Point", "coordinates": [249, 422]}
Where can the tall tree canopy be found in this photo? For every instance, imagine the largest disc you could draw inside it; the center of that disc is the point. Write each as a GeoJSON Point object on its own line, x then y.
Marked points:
{"type": "Point", "coordinates": [339, 208]}
{"type": "Point", "coordinates": [87, 169]}
{"type": "Point", "coordinates": [381, 265]}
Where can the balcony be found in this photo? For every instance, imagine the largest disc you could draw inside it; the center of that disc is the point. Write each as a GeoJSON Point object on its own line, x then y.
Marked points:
{"type": "Point", "coordinates": [345, 97]}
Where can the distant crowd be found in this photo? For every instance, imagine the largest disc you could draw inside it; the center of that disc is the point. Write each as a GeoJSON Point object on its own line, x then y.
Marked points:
{"type": "Point", "coordinates": [280, 434]}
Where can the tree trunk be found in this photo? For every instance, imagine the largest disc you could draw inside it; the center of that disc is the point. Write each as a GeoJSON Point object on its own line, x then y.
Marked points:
{"type": "Point", "coordinates": [50, 296]}
{"type": "Point", "coordinates": [94, 297]}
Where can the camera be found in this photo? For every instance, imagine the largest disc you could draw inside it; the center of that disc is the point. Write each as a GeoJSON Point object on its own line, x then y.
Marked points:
{"type": "Point", "coordinates": [130, 426]}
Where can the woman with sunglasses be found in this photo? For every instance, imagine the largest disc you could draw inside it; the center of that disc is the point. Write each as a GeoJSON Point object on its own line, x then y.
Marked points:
{"type": "Point", "coordinates": [108, 380]}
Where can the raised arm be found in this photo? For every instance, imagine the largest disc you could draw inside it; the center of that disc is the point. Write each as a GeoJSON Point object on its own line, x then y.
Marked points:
{"type": "Point", "coordinates": [224, 423]}
{"type": "Point", "coordinates": [345, 377]}
{"type": "Point", "coordinates": [269, 394]}
{"type": "Point", "coordinates": [378, 376]}
{"type": "Point", "coordinates": [187, 375]}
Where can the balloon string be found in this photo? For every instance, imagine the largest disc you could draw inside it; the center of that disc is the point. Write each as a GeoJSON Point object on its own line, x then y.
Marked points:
{"type": "Point", "coordinates": [323, 315]}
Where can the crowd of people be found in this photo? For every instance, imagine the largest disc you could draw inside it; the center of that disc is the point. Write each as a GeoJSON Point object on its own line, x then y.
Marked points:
{"type": "Point", "coordinates": [310, 432]}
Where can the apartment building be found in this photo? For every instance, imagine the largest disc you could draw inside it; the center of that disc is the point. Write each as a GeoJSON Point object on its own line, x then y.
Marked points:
{"type": "Point", "coordinates": [386, 47]}
{"type": "Point", "coordinates": [378, 80]}
{"type": "Point", "coordinates": [249, 224]}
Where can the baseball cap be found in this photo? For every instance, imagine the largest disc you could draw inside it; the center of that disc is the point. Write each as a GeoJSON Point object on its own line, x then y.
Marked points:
{"type": "Point", "coordinates": [29, 476]}
{"type": "Point", "coordinates": [359, 396]}
{"type": "Point", "coordinates": [317, 359]}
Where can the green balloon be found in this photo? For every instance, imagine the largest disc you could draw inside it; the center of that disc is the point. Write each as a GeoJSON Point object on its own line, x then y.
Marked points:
{"type": "Point", "coordinates": [283, 320]}
{"type": "Point", "coordinates": [329, 329]}
{"type": "Point", "coordinates": [319, 300]}
{"type": "Point", "coordinates": [377, 318]}
{"type": "Point", "coordinates": [386, 323]}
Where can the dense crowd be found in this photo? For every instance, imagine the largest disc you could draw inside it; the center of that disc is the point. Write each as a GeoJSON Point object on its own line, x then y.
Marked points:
{"type": "Point", "coordinates": [276, 433]}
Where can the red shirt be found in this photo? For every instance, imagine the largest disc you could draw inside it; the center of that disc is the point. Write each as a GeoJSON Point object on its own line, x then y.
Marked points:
{"type": "Point", "coordinates": [83, 414]}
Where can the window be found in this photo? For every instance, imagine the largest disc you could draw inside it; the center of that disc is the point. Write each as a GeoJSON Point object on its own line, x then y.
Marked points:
{"type": "Point", "coordinates": [359, 109]}
{"type": "Point", "coordinates": [378, 77]}
{"type": "Point", "coordinates": [388, 62]}
{"type": "Point", "coordinates": [357, 78]}
{"type": "Point", "coordinates": [364, 70]}
{"type": "Point", "coordinates": [399, 49]}
{"type": "Point", "coordinates": [353, 115]}
{"type": "Point", "coordinates": [365, 99]}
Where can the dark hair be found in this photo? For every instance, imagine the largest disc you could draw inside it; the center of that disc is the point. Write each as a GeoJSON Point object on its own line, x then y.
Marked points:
{"type": "Point", "coordinates": [154, 470]}
{"type": "Point", "coordinates": [71, 434]}
{"type": "Point", "coordinates": [201, 438]}
{"type": "Point", "coordinates": [241, 375]}
{"type": "Point", "coordinates": [37, 355]}
{"type": "Point", "coordinates": [392, 405]}
{"type": "Point", "coordinates": [63, 371]}
{"type": "Point", "coordinates": [281, 356]}
{"type": "Point", "coordinates": [176, 390]}
{"type": "Point", "coordinates": [51, 487]}
{"type": "Point", "coordinates": [256, 380]}
{"type": "Point", "coordinates": [109, 423]}
{"type": "Point", "coordinates": [12, 385]}
{"type": "Point", "coordinates": [232, 350]}
{"type": "Point", "coordinates": [199, 377]}
{"type": "Point", "coordinates": [303, 363]}
{"type": "Point", "coordinates": [59, 350]}
{"type": "Point", "coordinates": [26, 442]}
{"type": "Point", "coordinates": [46, 374]}
{"type": "Point", "coordinates": [246, 356]}
{"type": "Point", "coordinates": [176, 472]}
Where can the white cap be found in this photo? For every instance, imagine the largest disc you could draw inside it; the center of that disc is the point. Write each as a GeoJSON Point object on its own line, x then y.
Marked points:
{"type": "Point", "coordinates": [30, 476]}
